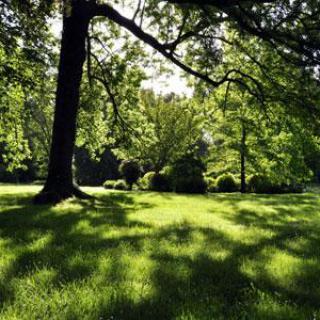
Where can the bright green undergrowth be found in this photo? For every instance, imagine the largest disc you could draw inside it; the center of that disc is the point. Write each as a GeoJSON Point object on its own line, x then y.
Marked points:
{"type": "Point", "coordinates": [159, 256]}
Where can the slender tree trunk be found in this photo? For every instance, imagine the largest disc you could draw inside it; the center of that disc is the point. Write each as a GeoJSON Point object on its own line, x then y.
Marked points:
{"type": "Point", "coordinates": [243, 160]}
{"type": "Point", "coordinates": [59, 184]}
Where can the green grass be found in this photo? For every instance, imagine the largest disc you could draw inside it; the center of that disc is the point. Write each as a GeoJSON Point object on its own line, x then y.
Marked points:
{"type": "Point", "coordinates": [159, 256]}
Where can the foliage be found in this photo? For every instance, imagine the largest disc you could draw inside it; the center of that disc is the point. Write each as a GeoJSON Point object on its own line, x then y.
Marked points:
{"type": "Point", "coordinates": [25, 95]}
{"type": "Point", "coordinates": [144, 182]}
{"type": "Point", "coordinates": [155, 182]}
{"type": "Point", "coordinates": [166, 127]}
{"type": "Point", "coordinates": [192, 184]}
{"type": "Point", "coordinates": [160, 182]}
{"type": "Point", "coordinates": [227, 183]}
{"type": "Point", "coordinates": [259, 183]}
{"type": "Point", "coordinates": [27, 57]}
{"type": "Point", "coordinates": [277, 144]}
{"type": "Point", "coordinates": [296, 188]}
{"type": "Point", "coordinates": [130, 170]}
{"type": "Point", "coordinates": [115, 184]}
{"type": "Point", "coordinates": [110, 91]}
{"type": "Point", "coordinates": [212, 184]}
{"type": "Point", "coordinates": [15, 149]}
{"type": "Point", "coordinates": [187, 175]}
{"type": "Point", "coordinates": [120, 185]}
{"type": "Point", "coordinates": [109, 184]}
{"type": "Point", "coordinates": [94, 172]}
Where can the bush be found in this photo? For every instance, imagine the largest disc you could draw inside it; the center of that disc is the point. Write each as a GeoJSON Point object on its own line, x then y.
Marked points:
{"type": "Point", "coordinates": [167, 171]}
{"type": "Point", "coordinates": [109, 184]}
{"type": "Point", "coordinates": [144, 182]}
{"type": "Point", "coordinates": [187, 166]}
{"type": "Point", "coordinates": [186, 175]}
{"type": "Point", "coordinates": [130, 170]}
{"type": "Point", "coordinates": [259, 183]}
{"type": "Point", "coordinates": [226, 183]}
{"type": "Point", "coordinates": [193, 184]}
{"type": "Point", "coordinates": [212, 184]}
{"type": "Point", "coordinates": [159, 182]}
{"type": "Point", "coordinates": [91, 172]}
{"type": "Point", "coordinates": [120, 185]}
{"type": "Point", "coordinates": [115, 184]}
{"type": "Point", "coordinates": [293, 188]}
{"type": "Point", "coordinates": [296, 188]}
{"type": "Point", "coordinates": [18, 175]}
{"type": "Point", "coordinates": [155, 182]}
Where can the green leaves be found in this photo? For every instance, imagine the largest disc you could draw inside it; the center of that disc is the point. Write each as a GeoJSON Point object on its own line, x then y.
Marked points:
{"type": "Point", "coordinates": [14, 147]}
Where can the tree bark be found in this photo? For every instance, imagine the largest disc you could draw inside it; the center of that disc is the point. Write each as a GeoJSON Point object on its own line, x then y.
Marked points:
{"type": "Point", "coordinates": [59, 184]}
{"type": "Point", "coordinates": [243, 188]}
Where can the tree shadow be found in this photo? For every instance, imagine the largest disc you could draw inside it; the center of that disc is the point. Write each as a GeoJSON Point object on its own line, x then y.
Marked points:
{"type": "Point", "coordinates": [62, 237]}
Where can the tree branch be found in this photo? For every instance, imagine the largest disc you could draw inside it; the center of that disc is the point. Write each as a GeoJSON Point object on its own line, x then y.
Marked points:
{"type": "Point", "coordinates": [106, 10]}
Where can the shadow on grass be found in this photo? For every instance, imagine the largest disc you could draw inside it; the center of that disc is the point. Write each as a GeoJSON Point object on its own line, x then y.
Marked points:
{"type": "Point", "coordinates": [199, 284]}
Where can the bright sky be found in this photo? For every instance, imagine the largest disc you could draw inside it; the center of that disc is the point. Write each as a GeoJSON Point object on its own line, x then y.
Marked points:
{"type": "Point", "coordinates": [160, 84]}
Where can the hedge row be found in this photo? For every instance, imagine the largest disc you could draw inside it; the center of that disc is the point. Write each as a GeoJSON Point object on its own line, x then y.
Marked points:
{"type": "Point", "coordinates": [116, 184]}
{"type": "Point", "coordinates": [186, 175]}
{"type": "Point", "coordinates": [258, 183]}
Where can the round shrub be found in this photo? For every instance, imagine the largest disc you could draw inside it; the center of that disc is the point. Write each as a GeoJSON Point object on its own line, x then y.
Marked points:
{"type": "Point", "coordinates": [227, 183]}
{"type": "Point", "coordinates": [296, 188]}
{"type": "Point", "coordinates": [155, 182]}
{"type": "Point", "coordinates": [109, 184]}
{"type": "Point", "coordinates": [120, 185]}
{"type": "Point", "coordinates": [144, 182]}
{"type": "Point", "coordinates": [167, 170]}
{"type": "Point", "coordinates": [159, 182]}
{"type": "Point", "coordinates": [187, 166]}
{"type": "Point", "coordinates": [259, 183]}
{"type": "Point", "coordinates": [193, 184]}
{"type": "Point", "coordinates": [187, 175]}
{"type": "Point", "coordinates": [130, 170]}
{"type": "Point", "coordinates": [212, 184]}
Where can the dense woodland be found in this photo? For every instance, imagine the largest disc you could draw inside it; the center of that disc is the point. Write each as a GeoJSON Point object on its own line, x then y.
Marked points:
{"type": "Point", "coordinates": [73, 111]}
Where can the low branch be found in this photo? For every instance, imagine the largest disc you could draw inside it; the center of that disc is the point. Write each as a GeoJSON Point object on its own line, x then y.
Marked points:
{"type": "Point", "coordinates": [112, 96]}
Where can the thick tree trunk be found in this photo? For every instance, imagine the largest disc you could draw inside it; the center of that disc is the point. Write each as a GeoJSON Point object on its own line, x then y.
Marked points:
{"type": "Point", "coordinates": [60, 184]}
{"type": "Point", "coordinates": [243, 160]}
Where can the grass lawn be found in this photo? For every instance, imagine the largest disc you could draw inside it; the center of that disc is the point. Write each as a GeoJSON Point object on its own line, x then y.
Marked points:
{"type": "Point", "coordinates": [159, 256]}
